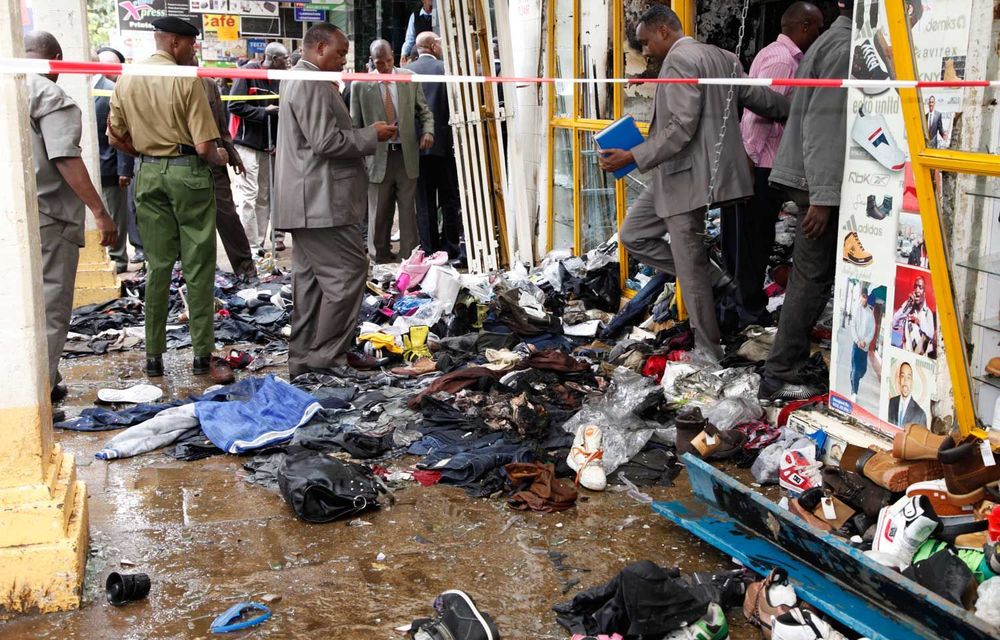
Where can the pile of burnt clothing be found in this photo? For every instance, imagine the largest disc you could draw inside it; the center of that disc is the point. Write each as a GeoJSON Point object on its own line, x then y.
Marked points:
{"type": "Point", "coordinates": [258, 314]}
{"type": "Point", "coordinates": [648, 601]}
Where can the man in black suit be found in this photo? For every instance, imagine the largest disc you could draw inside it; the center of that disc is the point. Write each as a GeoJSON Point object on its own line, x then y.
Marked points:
{"type": "Point", "coordinates": [437, 186]}
{"type": "Point", "coordinates": [935, 128]}
{"type": "Point", "coordinates": [903, 409]}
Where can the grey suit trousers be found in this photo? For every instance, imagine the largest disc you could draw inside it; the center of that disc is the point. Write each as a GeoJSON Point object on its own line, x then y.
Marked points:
{"type": "Point", "coordinates": [684, 255]}
{"type": "Point", "coordinates": [396, 189]}
{"type": "Point", "coordinates": [328, 282]}
{"type": "Point", "coordinates": [116, 201]}
{"type": "Point", "coordinates": [60, 258]}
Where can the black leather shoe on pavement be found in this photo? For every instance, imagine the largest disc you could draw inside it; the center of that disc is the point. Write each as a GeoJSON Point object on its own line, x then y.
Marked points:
{"type": "Point", "coordinates": [154, 366]}
{"type": "Point", "coordinates": [58, 393]}
{"type": "Point", "coordinates": [201, 365]}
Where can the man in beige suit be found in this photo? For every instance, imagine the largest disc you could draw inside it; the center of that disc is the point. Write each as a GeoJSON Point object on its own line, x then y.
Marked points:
{"type": "Point", "coordinates": [680, 151]}
{"type": "Point", "coordinates": [393, 170]}
{"type": "Point", "coordinates": [320, 198]}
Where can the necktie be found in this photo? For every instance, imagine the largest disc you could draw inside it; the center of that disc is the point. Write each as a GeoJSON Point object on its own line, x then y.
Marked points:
{"type": "Point", "coordinates": [390, 108]}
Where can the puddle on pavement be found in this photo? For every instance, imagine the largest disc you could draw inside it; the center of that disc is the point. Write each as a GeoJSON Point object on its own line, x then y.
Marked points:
{"type": "Point", "coordinates": [209, 540]}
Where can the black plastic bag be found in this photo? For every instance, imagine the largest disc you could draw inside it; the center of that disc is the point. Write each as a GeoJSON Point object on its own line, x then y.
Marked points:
{"type": "Point", "coordinates": [598, 289]}
{"type": "Point", "coordinates": [321, 489]}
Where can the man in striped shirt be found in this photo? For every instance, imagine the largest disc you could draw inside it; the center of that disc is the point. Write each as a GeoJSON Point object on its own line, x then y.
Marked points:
{"type": "Point", "coordinates": [749, 245]}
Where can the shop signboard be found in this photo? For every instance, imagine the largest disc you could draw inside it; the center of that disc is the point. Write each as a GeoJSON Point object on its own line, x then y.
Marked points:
{"type": "Point", "coordinates": [886, 345]}
{"type": "Point", "coordinates": [310, 15]}
{"type": "Point", "coordinates": [138, 15]}
{"type": "Point", "coordinates": [256, 46]}
{"type": "Point", "coordinates": [264, 9]}
{"type": "Point", "coordinates": [225, 28]}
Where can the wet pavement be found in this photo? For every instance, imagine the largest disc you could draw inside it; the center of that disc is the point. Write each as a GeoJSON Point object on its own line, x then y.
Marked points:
{"type": "Point", "coordinates": [208, 539]}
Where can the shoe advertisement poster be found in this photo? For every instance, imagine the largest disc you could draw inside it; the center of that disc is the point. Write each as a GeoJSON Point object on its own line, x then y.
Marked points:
{"type": "Point", "coordinates": [885, 336]}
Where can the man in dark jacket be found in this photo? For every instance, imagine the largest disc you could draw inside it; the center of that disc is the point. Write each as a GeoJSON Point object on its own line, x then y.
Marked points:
{"type": "Point", "coordinates": [810, 164]}
{"type": "Point", "coordinates": [254, 127]}
{"type": "Point", "coordinates": [117, 167]}
{"type": "Point", "coordinates": [437, 185]}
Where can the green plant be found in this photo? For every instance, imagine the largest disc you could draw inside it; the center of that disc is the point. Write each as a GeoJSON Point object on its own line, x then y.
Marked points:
{"type": "Point", "coordinates": [101, 19]}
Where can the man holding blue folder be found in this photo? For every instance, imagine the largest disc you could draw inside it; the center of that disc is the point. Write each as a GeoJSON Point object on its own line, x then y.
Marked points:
{"type": "Point", "coordinates": [686, 124]}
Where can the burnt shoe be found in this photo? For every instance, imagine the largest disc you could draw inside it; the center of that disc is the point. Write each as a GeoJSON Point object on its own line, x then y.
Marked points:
{"type": "Point", "coordinates": [916, 443]}
{"type": "Point", "coordinates": [856, 491]}
{"type": "Point", "coordinates": [201, 365]}
{"type": "Point", "coordinates": [220, 371]}
{"type": "Point", "coordinates": [154, 366]}
{"type": "Point", "coordinates": [689, 423]}
{"type": "Point", "coordinates": [855, 252]}
{"type": "Point", "coordinates": [768, 599]}
{"type": "Point", "coordinates": [58, 393]}
{"type": "Point", "coordinates": [458, 619]}
{"type": "Point", "coordinates": [730, 442]}
{"type": "Point", "coordinates": [965, 473]}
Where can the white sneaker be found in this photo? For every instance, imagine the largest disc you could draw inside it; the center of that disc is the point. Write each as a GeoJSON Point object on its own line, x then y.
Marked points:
{"type": "Point", "coordinates": [803, 625]}
{"type": "Point", "coordinates": [872, 134]}
{"type": "Point", "coordinates": [585, 458]}
{"type": "Point", "coordinates": [138, 394]}
{"type": "Point", "coordinates": [799, 470]}
{"type": "Point", "coordinates": [901, 529]}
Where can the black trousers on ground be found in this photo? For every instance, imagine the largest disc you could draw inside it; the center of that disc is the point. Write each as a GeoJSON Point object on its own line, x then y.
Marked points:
{"type": "Point", "coordinates": [814, 265]}
{"type": "Point", "coordinates": [437, 190]}
{"type": "Point", "coordinates": [228, 225]}
{"type": "Point", "coordinates": [747, 240]}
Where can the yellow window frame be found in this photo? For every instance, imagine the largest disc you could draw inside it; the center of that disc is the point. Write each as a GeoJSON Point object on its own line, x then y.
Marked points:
{"type": "Point", "coordinates": [924, 161]}
{"type": "Point", "coordinates": [577, 125]}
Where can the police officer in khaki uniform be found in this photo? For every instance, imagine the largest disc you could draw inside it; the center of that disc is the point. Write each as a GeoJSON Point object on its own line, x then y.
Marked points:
{"type": "Point", "coordinates": [167, 121]}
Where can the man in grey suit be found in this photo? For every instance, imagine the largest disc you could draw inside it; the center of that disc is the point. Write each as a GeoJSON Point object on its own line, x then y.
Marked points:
{"type": "Point", "coordinates": [393, 170]}
{"type": "Point", "coordinates": [681, 148]}
{"type": "Point", "coordinates": [935, 128]}
{"type": "Point", "coordinates": [903, 409]}
{"type": "Point", "coordinates": [116, 166]}
{"type": "Point", "coordinates": [437, 186]}
{"type": "Point", "coordinates": [319, 196]}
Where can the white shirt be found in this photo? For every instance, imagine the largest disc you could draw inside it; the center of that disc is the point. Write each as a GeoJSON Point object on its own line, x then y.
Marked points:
{"type": "Point", "coordinates": [863, 325]}
{"type": "Point", "coordinates": [904, 404]}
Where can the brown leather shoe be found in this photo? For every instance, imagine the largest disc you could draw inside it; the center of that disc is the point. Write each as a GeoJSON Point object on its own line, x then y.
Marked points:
{"type": "Point", "coordinates": [916, 443]}
{"type": "Point", "coordinates": [965, 474]}
{"type": "Point", "coordinates": [795, 507]}
{"type": "Point", "coordinates": [361, 361]}
{"type": "Point", "coordinates": [220, 372]}
{"type": "Point", "coordinates": [421, 367]}
{"type": "Point", "coordinates": [896, 475]}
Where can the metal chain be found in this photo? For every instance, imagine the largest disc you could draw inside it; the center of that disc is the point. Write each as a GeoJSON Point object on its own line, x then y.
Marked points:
{"type": "Point", "coordinates": [725, 113]}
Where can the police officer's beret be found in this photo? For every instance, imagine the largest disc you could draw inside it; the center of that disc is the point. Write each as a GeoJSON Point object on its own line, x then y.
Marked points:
{"type": "Point", "coordinates": [172, 24]}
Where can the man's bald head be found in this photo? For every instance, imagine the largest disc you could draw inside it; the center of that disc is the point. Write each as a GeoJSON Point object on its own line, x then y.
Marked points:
{"type": "Point", "coordinates": [42, 45]}
{"type": "Point", "coordinates": [427, 42]}
{"type": "Point", "coordinates": [275, 56]}
{"type": "Point", "coordinates": [802, 22]}
{"type": "Point", "coordinates": [382, 56]}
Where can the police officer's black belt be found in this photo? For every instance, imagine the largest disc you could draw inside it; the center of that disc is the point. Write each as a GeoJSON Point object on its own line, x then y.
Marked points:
{"type": "Point", "coordinates": [181, 160]}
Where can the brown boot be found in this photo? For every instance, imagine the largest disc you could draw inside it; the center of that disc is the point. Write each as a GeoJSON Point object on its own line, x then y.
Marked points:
{"type": "Point", "coordinates": [965, 473]}
{"type": "Point", "coordinates": [916, 443]}
{"type": "Point", "coordinates": [896, 475]}
{"type": "Point", "coordinates": [421, 367]}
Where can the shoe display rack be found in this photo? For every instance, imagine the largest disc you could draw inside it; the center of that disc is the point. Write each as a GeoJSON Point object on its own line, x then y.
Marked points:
{"type": "Point", "coordinates": [971, 390]}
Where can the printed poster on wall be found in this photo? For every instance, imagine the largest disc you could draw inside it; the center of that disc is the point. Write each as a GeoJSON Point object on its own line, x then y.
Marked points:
{"type": "Point", "coordinates": [886, 332]}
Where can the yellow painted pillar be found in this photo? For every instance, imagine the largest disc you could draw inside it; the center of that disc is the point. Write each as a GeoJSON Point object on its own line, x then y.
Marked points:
{"type": "Point", "coordinates": [43, 507]}
{"type": "Point", "coordinates": [67, 20]}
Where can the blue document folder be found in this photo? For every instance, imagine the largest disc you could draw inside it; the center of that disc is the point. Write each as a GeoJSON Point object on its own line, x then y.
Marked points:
{"type": "Point", "coordinates": [620, 134]}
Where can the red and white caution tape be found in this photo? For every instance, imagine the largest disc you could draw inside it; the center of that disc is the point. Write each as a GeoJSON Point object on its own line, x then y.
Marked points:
{"type": "Point", "coordinates": [26, 65]}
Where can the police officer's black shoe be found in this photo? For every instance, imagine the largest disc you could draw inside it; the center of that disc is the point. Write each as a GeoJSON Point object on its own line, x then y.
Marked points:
{"type": "Point", "coordinates": [201, 365]}
{"type": "Point", "coordinates": [154, 366]}
{"type": "Point", "coordinates": [58, 393]}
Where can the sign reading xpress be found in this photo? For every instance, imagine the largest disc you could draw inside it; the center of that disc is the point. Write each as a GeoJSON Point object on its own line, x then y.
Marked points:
{"type": "Point", "coordinates": [138, 15]}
